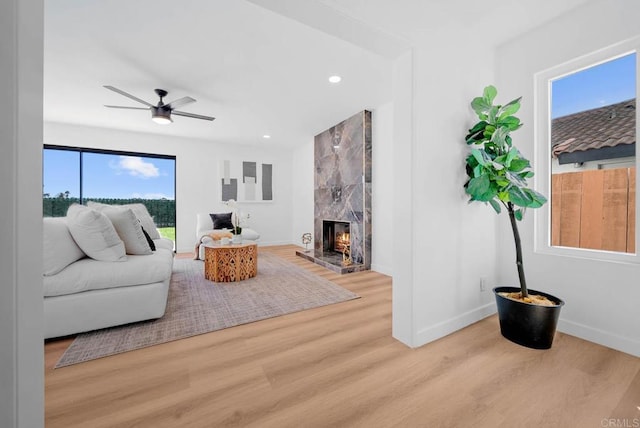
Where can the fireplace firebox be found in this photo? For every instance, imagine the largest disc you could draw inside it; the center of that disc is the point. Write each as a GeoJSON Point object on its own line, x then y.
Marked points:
{"type": "Point", "coordinates": [336, 236]}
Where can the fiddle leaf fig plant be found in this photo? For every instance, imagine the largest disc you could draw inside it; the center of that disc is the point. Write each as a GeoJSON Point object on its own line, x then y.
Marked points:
{"type": "Point", "coordinates": [497, 171]}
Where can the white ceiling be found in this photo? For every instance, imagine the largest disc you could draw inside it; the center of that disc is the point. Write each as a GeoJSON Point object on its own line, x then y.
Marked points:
{"type": "Point", "coordinates": [260, 66]}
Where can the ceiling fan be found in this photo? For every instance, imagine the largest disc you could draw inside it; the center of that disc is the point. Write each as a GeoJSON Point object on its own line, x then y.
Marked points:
{"type": "Point", "coordinates": [160, 113]}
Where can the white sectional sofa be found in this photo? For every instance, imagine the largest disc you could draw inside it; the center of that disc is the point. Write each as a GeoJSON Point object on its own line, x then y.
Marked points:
{"type": "Point", "coordinates": [93, 279]}
{"type": "Point", "coordinates": [205, 227]}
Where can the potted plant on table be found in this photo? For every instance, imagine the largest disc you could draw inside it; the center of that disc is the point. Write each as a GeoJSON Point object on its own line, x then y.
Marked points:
{"type": "Point", "coordinates": [236, 230]}
{"type": "Point", "coordinates": [498, 175]}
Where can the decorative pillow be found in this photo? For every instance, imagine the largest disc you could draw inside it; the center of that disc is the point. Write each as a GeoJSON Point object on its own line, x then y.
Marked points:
{"type": "Point", "coordinates": [128, 229]}
{"type": "Point", "coordinates": [60, 250]}
{"type": "Point", "coordinates": [221, 221]}
{"type": "Point", "coordinates": [152, 244]}
{"type": "Point", "coordinates": [139, 210]}
{"type": "Point", "coordinates": [94, 234]}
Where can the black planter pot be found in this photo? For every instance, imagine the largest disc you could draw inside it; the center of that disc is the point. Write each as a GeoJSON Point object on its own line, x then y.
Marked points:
{"type": "Point", "coordinates": [526, 324]}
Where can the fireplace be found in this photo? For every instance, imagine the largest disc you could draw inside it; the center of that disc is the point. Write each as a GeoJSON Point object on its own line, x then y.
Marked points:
{"type": "Point", "coordinates": [342, 196]}
{"type": "Point", "coordinates": [336, 236]}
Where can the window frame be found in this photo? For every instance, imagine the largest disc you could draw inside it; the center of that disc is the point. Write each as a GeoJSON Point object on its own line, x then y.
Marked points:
{"type": "Point", "coordinates": [542, 151]}
{"type": "Point", "coordinates": [82, 150]}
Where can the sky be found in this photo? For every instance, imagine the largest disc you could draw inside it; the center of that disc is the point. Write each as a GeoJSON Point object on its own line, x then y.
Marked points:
{"type": "Point", "coordinates": [605, 84]}
{"type": "Point", "coordinates": [108, 176]}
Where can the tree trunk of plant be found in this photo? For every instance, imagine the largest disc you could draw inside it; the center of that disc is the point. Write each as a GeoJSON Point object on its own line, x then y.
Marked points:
{"type": "Point", "coordinates": [516, 238]}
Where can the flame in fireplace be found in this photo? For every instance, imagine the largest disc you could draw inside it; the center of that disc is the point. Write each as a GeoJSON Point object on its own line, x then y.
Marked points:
{"type": "Point", "coordinates": [343, 241]}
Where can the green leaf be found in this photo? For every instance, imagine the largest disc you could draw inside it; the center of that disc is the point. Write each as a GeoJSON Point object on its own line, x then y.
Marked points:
{"type": "Point", "coordinates": [480, 106]}
{"type": "Point", "coordinates": [503, 196]}
{"type": "Point", "coordinates": [478, 186]}
{"type": "Point", "coordinates": [489, 94]}
{"type": "Point", "coordinates": [513, 153]}
{"type": "Point", "coordinates": [477, 154]}
{"type": "Point", "coordinates": [475, 134]}
{"type": "Point", "coordinates": [510, 109]}
{"type": "Point", "coordinates": [515, 179]}
{"type": "Point", "coordinates": [493, 112]}
{"type": "Point", "coordinates": [518, 214]}
{"type": "Point", "coordinates": [518, 164]}
{"type": "Point", "coordinates": [538, 199]}
{"type": "Point", "coordinates": [496, 206]}
{"type": "Point", "coordinates": [518, 197]}
{"type": "Point", "coordinates": [510, 122]}
{"type": "Point", "coordinates": [499, 136]}
{"type": "Point", "coordinates": [478, 127]}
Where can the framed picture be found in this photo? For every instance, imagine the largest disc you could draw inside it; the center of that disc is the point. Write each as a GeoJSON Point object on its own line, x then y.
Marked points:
{"type": "Point", "coordinates": [246, 181]}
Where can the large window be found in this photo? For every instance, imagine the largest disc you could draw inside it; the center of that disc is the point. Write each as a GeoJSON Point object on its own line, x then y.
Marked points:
{"type": "Point", "coordinates": [79, 175]}
{"type": "Point", "coordinates": [587, 121]}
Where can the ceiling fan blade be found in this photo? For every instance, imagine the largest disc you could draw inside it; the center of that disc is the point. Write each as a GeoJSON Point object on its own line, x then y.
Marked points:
{"type": "Point", "coordinates": [130, 108]}
{"type": "Point", "coordinates": [195, 116]}
{"type": "Point", "coordinates": [180, 102]}
{"type": "Point", "coordinates": [121, 92]}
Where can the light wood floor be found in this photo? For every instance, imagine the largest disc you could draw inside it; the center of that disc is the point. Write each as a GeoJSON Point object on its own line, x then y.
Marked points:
{"type": "Point", "coordinates": [338, 366]}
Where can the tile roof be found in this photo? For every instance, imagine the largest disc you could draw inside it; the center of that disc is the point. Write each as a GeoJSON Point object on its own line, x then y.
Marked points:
{"type": "Point", "coordinates": [601, 127]}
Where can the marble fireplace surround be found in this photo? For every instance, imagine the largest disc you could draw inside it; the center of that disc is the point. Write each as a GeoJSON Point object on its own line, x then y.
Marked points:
{"type": "Point", "coordinates": [342, 192]}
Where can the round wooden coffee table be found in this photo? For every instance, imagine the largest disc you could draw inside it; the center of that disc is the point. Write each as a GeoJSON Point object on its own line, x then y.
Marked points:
{"type": "Point", "coordinates": [229, 263]}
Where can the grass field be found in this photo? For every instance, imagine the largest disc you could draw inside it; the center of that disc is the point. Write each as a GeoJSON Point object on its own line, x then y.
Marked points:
{"type": "Point", "coordinates": [168, 232]}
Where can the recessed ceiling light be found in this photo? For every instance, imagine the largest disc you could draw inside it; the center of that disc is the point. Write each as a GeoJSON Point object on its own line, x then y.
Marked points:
{"type": "Point", "coordinates": [266, 136]}
{"type": "Point", "coordinates": [335, 79]}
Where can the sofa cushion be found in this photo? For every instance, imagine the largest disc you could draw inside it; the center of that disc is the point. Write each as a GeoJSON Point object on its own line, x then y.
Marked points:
{"type": "Point", "coordinates": [88, 274]}
{"type": "Point", "coordinates": [140, 211]}
{"type": "Point", "coordinates": [128, 228]}
{"type": "Point", "coordinates": [165, 243]}
{"type": "Point", "coordinates": [95, 234]}
{"type": "Point", "coordinates": [222, 221]}
{"type": "Point", "coordinates": [60, 250]}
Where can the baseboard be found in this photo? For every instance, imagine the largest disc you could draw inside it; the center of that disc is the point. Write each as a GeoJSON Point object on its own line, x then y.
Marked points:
{"type": "Point", "coordinates": [385, 270]}
{"type": "Point", "coordinates": [273, 243]}
{"type": "Point", "coordinates": [601, 337]}
{"type": "Point", "coordinates": [438, 331]}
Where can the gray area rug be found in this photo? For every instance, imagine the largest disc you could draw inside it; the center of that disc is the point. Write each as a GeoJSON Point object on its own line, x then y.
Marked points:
{"type": "Point", "coordinates": [196, 306]}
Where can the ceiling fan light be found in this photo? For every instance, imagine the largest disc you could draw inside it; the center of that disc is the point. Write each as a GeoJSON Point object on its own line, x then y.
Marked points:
{"type": "Point", "coordinates": [161, 120]}
{"type": "Point", "coordinates": [161, 116]}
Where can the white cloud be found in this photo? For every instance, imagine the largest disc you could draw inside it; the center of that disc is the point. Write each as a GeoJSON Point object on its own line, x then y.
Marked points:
{"type": "Point", "coordinates": [135, 166]}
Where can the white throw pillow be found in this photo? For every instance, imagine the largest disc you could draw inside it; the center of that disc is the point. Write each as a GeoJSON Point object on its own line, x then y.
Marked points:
{"type": "Point", "coordinates": [60, 250]}
{"type": "Point", "coordinates": [128, 228]}
{"type": "Point", "coordinates": [140, 211]}
{"type": "Point", "coordinates": [95, 234]}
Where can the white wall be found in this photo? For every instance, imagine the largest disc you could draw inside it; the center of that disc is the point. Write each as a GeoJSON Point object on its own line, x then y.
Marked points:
{"type": "Point", "coordinates": [601, 297]}
{"type": "Point", "coordinates": [454, 241]}
{"type": "Point", "coordinates": [382, 208]}
{"type": "Point", "coordinates": [449, 244]}
{"type": "Point", "coordinates": [302, 191]}
{"type": "Point", "coordinates": [21, 311]}
{"type": "Point", "coordinates": [197, 176]}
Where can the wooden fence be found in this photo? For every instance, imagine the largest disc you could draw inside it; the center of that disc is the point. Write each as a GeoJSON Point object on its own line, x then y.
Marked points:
{"type": "Point", "coordinates": [594, 209]}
